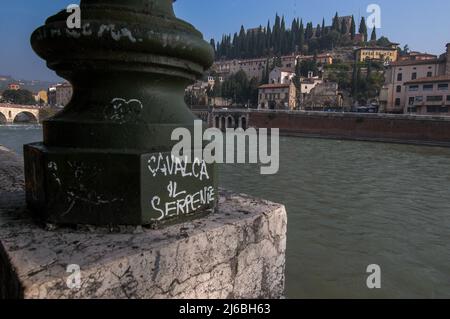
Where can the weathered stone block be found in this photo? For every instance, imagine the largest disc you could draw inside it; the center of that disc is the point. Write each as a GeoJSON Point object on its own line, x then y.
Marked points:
{"type": "Point", "coordinates": [237, 253]}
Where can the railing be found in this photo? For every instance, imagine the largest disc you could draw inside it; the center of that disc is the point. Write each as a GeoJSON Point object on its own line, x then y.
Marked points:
{"type": "Point", "coordinates": [19, 106]}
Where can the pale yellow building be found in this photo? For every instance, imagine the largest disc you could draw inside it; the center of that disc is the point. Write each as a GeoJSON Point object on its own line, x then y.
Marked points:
{"type": "Point", "coordinates": [383, 54]}
{"type": "Point", "coordinates": [42, 96]}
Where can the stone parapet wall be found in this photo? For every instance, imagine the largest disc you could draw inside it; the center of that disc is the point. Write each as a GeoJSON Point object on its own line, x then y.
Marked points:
{"type": "Point", "coordinates": [358, 126]}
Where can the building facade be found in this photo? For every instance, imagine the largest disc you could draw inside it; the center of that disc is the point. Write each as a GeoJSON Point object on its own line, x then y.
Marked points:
{"type": "Point", "coordinates": [14, 86]}
{"type": "Point", "coordinates": [281, 76]}
{"type": "Point", "coordinates": [323, 95]}
{"type": "Point", "coordinates": [428, 96]}
{"type": "Point", "coordinates": [393, 96]}
{"type": "Point", "coordinates": [417, 56]}
{"type": "Point", "coordinates": [63, 94]}
{"type": "Point", "coordinates": [41, 97]}
{"type": "Point", "coordinates": [277, 97]}
{"type": "Point", "coordinates": [383, 54]}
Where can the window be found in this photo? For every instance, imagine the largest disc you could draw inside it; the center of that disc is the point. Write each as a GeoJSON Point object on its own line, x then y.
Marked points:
{"type": "Point", "coordinates": [412, 109]}
{"type": "Point", "coordinates": [419, 98]}
{"type": "Point", "coordinates": [413, 88]}
{"type": "Point", "coordinates": [399, 88]}
{"type": "Point", "coordinates": [435, 98]}
{"type": "Point", "coordinates": [433, 109]}
{"type": "Point", "coordinates": [414, 76]}
{"type": "Point", "coordinates": [428, 87]}
{"type": "Point", "coordinates": [437, 109]}
{"type": "Point", "coordinates": [400, 77]}
{"type": "Point", "coordinates": [411, 101]}
{"type": "Point", "coordinates": [443, 87]}
{"type": "Point", "coordinates": [429, 74]}
{"type": "Point", "coordinates": [448, 97]}
{"type": "Point", "coordinates": [397, 102]}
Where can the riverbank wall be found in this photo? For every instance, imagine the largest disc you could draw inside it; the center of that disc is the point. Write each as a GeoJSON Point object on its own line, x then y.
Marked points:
{"type": "Point", "coordinates": [425, 130]}
{"type": "Point", "coordinates": [237, 253]}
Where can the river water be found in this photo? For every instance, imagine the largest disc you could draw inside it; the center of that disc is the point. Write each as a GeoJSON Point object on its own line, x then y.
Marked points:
{"type": "Point", "coordinates": [350, 205]}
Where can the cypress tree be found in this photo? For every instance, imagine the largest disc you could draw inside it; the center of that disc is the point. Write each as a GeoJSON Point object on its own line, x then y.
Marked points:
{"type": "Point", "coordinates": [276, 34]}
{"type": "Point", "coordinates": [268, 37]}
{"type": "Point", "coordinates": [309, 31]}
{"type": "Point", "coordinates": [318, 31]}
{"type": "Point", "coordinates": [301, 36]}
{"type": "Point", "coordinates": [363, 29]}
{"type": "Point", "coordinates": [353, 28]}
{"type": "Point", "coordinates": [373, 37]}
{"type": "Point", "coordinates": [283, 37]}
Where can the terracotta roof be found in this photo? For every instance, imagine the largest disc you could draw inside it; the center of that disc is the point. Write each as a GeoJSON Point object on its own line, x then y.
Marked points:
{"type": "Point", "coordinates": [433, 79]}
{"type": "Point", "coordinates": [376, 48]}
{"type": "Point", "coordinates": [415, 62]}
{"type": "Point", "coordinates": [415, 53]}
{"type": "Point", "coordinates": [274, 86]}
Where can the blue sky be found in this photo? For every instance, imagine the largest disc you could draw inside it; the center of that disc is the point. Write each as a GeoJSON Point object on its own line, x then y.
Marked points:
{"type": "Point", "coordinates": [423, 25]}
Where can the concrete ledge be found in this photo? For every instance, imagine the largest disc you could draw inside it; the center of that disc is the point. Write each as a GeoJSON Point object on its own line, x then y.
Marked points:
{"type": "Point", "coordinates": [237, 253]}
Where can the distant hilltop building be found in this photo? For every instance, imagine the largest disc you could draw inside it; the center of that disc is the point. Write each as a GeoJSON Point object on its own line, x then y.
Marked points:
{"type": "Point", "coordinates": [419, 85]}
{"type": "Point", "coordinates": [377, 53]}
{"type": "Point", "coordinates": [416, 56]}
{"type": "Point", "coordinates": [4, 78]}
{"type": "Point", "coordinates": [254, 68]}
{"type": "Point", "coordinates": [14, 86]}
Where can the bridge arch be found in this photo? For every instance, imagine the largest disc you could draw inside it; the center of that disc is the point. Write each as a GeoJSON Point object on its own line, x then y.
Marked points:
{"type": "Point", "coordinates": [217, 121]}
{"type": "Point", "coordinates": [230, 121]}
{"type": "Point", "coordinates": [243, 122]}
{"type": "Point", "coordinates": [3, 119]}
{"type": "Point", "coordinates": [25, 117]}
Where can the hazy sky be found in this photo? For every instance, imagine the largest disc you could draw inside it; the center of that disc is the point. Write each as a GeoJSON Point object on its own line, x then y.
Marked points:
{"type": "Point", "coordinates": [423, 25]}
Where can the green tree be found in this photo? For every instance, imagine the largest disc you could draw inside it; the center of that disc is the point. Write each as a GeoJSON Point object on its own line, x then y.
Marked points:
{"type": "Point", "coordinates": [23, 97]}
{"type": "Point", "coordinates": [212, 42]}
{"type": "Point", "coordinates": [383, 42]}
{"type": "Point", "coordinates": [236, 88]}
{"type": "Point", "coordinates": [353, 28]}
{"type": "Point", "coordinates": [301, 37]}
{"type": "Point", "coordinates": [373, 36]}
{"type": "Point", "coordinates": [363, 29]}
{"type": "Point", "coordinates": [309, 33]}
{"type": "Point", "coordinates": [307, 66]}
{"type": "Point", "coordinates": [318, 31]}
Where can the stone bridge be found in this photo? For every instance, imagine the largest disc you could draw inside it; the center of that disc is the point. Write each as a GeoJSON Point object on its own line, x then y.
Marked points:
{"type": "Point", "coordinates": [225, 118]}
{"type": "Point", "coordinates": [11, 113]}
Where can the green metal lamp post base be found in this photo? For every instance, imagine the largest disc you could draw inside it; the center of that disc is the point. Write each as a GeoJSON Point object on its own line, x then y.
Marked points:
{"type": "Point", "coordinates": [129, 65]}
